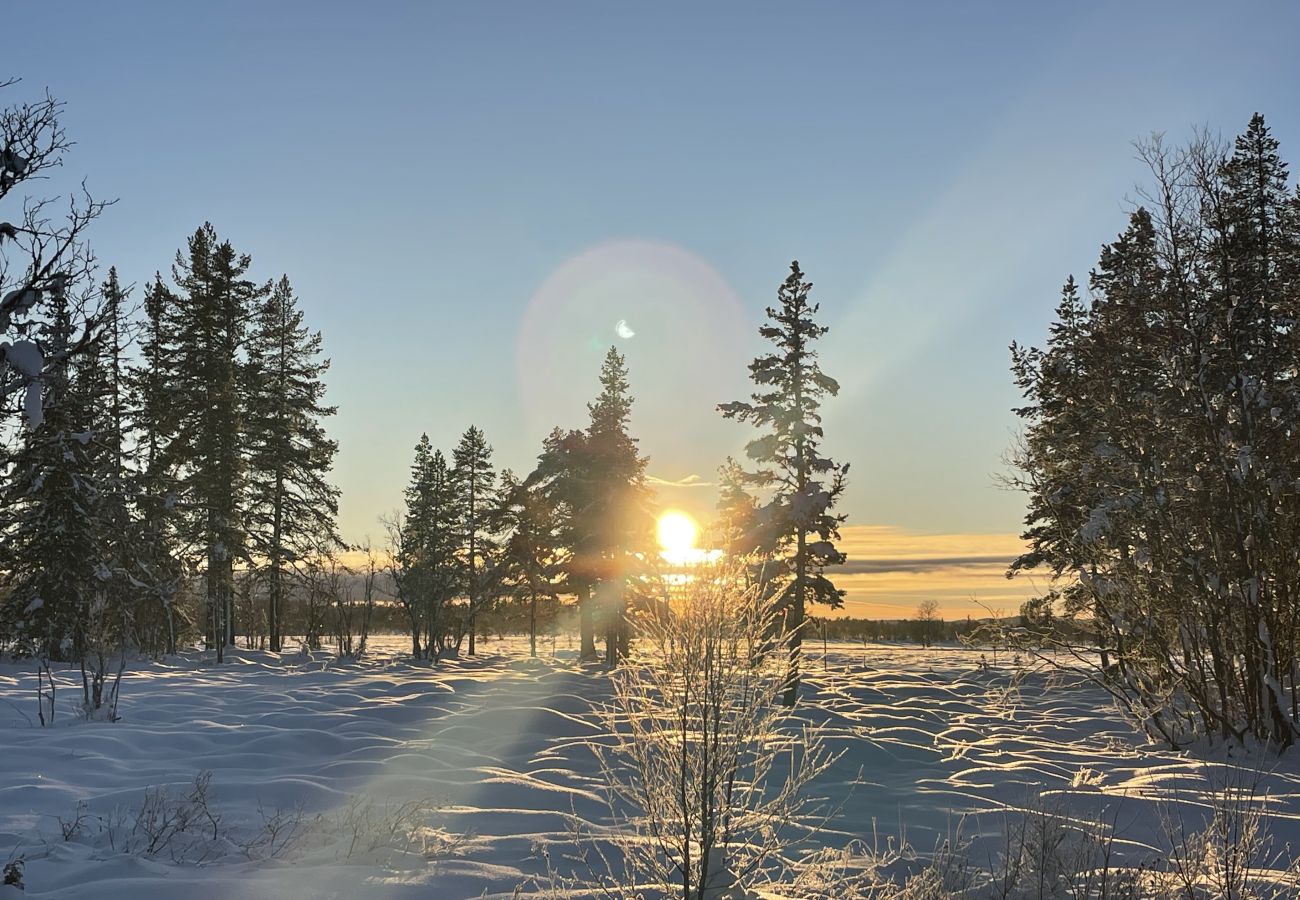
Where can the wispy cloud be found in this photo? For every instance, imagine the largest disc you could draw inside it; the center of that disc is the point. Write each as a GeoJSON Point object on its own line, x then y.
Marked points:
{"type": "Point", "coordinates": [690, 481]}
{"type": "Point", "coordinates": [919, 564]}
{"type": "Point", "coordinates": [890, 570]}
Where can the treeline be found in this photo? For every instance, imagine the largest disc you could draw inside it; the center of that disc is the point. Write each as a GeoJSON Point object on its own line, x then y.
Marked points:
{"type": "Point", "coordinates": [580, 523]}
{"type": "Point", "coordinates": [908, 631]}
{"type": "Point", "coordinates": [166, 471]}
{"type": "Point", "coordinates": [179, 461]}
{"type": "Point", "coordinates": [1160, 452]}
{"type": "Point", "coordinates": [162, 458]}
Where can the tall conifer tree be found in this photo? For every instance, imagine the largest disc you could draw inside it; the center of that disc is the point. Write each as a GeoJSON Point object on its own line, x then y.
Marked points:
{"type": "Point", "coordinates": [1159, 449]}
{"type": "Point", "coordinates": [292, 506]}
{"type": "Point", "coordinates": [531, 552]}
{"type": "Point", "coordinates": [562, 478]}
{"type": "Point", "coordinates": [431, 541]}
{"type": "Point", "coordinates": [209, 330]}
{"type": "Point", "coordinates": [475, 483]}
{"type": "Point", "coordinates": [616, 507]}
{"type": "Point", "coordinates": [53, 559]}
{"type": "Point", "coordinates": [801, 486]}
{"type": "Point", "coordinates": [153, 414]}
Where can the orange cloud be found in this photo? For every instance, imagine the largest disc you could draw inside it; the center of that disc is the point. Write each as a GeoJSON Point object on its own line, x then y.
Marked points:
{"type": "Point", "coordinates": [890, 570]}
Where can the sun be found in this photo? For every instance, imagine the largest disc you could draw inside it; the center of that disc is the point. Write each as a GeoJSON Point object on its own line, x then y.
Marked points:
{"type": "Point", "coordinates": [677, 534]}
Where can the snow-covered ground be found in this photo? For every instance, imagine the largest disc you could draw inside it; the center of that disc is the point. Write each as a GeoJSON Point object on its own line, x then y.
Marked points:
{"type": "Point", "coordinates": [407, 780]}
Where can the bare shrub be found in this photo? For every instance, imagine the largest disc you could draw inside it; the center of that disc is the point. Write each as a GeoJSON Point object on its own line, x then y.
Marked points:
{"type": "Point", "coordinates": [103, 637]}
{"type": "Point", "coordinates": [181, 826]}
{"type": "Point", "coordinates": [1226, 854]}
{"type": "Point", "coordinates": [184, 827]}
{"type": "Point", "coordinates": [1049, 853]}
{"type": "Point", "coordinates": [1233, 855]}
{"type": "Point", "coordinates": [368, 825]}
{"type": "Point", "coordinates": [707, 779]}
{"type": "Point", "coordinates": [72, 828]}
{"type": "Point", "coordinates": [280, 833]}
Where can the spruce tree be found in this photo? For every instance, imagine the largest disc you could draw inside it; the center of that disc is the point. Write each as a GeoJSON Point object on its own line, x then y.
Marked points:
{"type": "Point", "coordinates": [209, 328]}
{"type": "Point", "coordinates": [1159, 449]}
{"type": "Point", "coordinates": [801, 486]}
{"type": "Point", "coordinates": [113, 342]}
{"type": "Point", "coordinates": [562, 478]}
{"type": "Point", "coordinates": [735, 529]}
{"type": "Point", "coordinates": [531, 553]}
{"type": "Point", "coordinates": [53, 554]}
{"type": "Point", "coordinates": [103, 379]}
{"type": "Point", "coordinates": [431, 538]}
{"type": "Point", "coordinates": [411, 541]}
{"type": "Point", "coordinates": [616, 502]}
{"type": "Point", "coordinates": [475, 484]}
{"type": "Point", "coordinates": [152, 409]}
{"type": "Point", "coordinates": [292, 506]}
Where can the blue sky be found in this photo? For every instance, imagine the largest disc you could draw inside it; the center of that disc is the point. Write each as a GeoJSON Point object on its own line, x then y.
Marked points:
{"type": "Point", "coordinates": [468, 198]}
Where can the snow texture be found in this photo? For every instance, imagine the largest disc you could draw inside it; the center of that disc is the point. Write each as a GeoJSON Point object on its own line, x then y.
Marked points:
{"type": "Point", "coordinates": [501, 744]}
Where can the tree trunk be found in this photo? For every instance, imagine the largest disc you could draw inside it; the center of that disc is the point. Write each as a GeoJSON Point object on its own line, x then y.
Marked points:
{"type": "Point", "coordinates": [606, 603]}
{"type": "Point", "coordinates": [273, 601]}
{"type": "Point", "coordinates": [532, 622]}
{"type": "Point", "coordinates": [586, 625]}
{"type": "Point", "coordinates": [794, 621]}
{"type": "Point", "coordinates": [228, 597]}
{"type": "Point", "coordinates": [473, 561]}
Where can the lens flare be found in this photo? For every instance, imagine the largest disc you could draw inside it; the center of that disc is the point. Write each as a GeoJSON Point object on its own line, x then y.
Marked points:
{"type": "Point", "coordinates": [680, 325]}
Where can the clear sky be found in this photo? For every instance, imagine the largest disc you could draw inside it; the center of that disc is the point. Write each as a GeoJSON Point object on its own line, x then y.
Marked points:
{"type": "Point", "coordinates": [469, 197]}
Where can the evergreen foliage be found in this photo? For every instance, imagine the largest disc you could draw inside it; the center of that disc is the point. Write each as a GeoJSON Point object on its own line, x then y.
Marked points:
{"type": "Point", "coordinates": [532, 551]}
{"type": "Point", "coordinates": [429, 571]}
{"type": "Point", "coordinates": [291, 505]}
{"type": "Point", "coordinates": [55, 558]}
{"type": "Point", "coordinates": [474, 484]}
{"type": "Point", "coordinates": [618, 523]}
{"type": "Point", "coordinates": [1159, 452]}
{"type": "Point", "coordinates": [210, 314]}
{"type": "Point", "coordinates": [793, 527]}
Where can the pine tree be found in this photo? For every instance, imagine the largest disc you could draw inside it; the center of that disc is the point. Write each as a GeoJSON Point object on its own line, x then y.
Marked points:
{"type": "Point", "coordinates": [562, 479]}
{"type": "Point", "coordinates": [410, 539]}
{"type": "Point", "coordinates": [430, 540]}
{"type": "Point", "coordinates": [103, 376]}
{"type": "Point", "coordinates": [291, 505]}
{"type": "Point", "coordinates": [531, 553]}
{"type": "Point", "coordinates": [209, 325]}
{"type": "Point", "coordinates": [1159, 448]}
{"type": "Point", "coordinates": [802, 486]}
{"type": "Point", "coordinates": [53, 559]}
{"type": "Point", "coordinates": [475, 485]}
{"type": "Point", "coordinates": [616, 506]}
{"type": "Point", "coordinates": [152, 408]}
{"type": "Point", "coordinates": [113, 342]}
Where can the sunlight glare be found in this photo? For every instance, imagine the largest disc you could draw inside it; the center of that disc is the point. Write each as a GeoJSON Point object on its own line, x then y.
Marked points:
{"type": "Point", "coordinates": [677, 533]}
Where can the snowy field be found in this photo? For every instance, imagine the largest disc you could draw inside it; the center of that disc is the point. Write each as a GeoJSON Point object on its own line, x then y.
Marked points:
{"type": "Point", "coordinates": [388, 779]}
